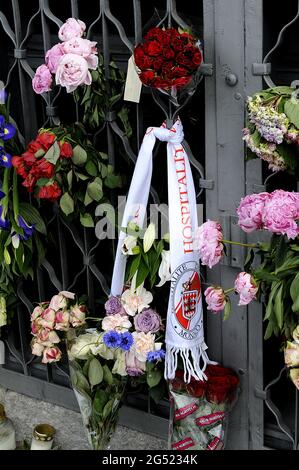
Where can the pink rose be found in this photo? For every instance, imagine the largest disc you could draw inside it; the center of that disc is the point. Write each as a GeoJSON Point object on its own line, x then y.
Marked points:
{"type": "Point", "coordinates": [291, 354]}
{"type": "Point", "coordinates": [77, 316]}
{"type": "Point", "coordinates": [53, 57]}
{"type": "Point", "coordinates": [134, 367]}
{"type": "Point", "coordinates": [294, 376]}
{"type": "Point", "coordinates": [251, 211]}
{"type": "Point", "coordinates": [36, 312]}
{"type": "Point", "coordinates": [47, 337]}
{"type": "Point", "coordinates": [281, 213]}
{"type": "Point", "coordinates": [72, 71]}
{"type": "Point", "coordinates": [47, 319]}
{"type": "Point", "coordinates": [84, 48]}
{"type": "Point", "coordinates": [62, 321]}
{"type": "Point", "coordinates": [37, 348]}
{"type": "Point", "coordinates": [42, 80]}
{"type": "Point", "coordinates": [246, 287]}
{"type": "Point", "coordinates": [215, 298]}
{"type": "Point", "coordinates": [51, 355]}
{"type": "Point", "coordinates": [72, 28]}
{"type": "Point", "coordinates": [34, 329]}
{"type": "Point", "coordinates": [207, 240]}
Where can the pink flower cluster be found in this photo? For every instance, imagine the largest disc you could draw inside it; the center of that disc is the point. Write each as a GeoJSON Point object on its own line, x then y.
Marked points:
{"type": "Point", "coordinates": [215, 298]}
{"type": "Point", "coordinates": [277, 212]}
{"type": "Point", "coordinates": [60, 314]}
{"type": "Point", "coordinates": [70, 61]}
{"type": "Point", "coordinates": [208, 240]}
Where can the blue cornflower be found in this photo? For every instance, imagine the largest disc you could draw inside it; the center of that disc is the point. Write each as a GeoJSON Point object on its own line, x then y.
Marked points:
{"type": "Point", "coordinates": [5, 158]}
{"type": "Point", "coordinates": [27, 229]}
{"type": "Point", "coordinates": [154, 356]}
{"type": "Point", "coordinates": [112, 339]}
{"type": "Point", "coordinates": [7, 131]}
{"type": "Point", "coordinates": [126, 341]}
{"type": "Point", "coordinates": [4, 224]}
{"type": "Point", "coordinates": [2, 194]}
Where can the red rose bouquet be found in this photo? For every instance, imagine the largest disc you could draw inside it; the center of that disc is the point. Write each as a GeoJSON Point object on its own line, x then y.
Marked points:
{"type": "Point", "coordinates": [61, 164]}
{"type": "Point", "coordinates": [199, 410]}
{"type": "Point", "coordinates": [167, 58]}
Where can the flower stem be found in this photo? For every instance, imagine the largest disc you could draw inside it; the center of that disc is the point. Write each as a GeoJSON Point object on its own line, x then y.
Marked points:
{"type": "Point", "coordinates": [249, 245]}
{"type": "Point", "coordinates": [5, 189]}
{"type": "Point", "coordinates": [15, 195]}
{"type": "Point", "coordinates": [228, 291]}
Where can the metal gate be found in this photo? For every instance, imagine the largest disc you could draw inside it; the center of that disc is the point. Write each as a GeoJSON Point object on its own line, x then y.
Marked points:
{"type": "Point", "coordinates": [232, 32]}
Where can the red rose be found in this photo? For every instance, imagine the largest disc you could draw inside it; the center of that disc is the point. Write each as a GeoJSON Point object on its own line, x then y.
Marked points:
{"type": "Point", "coordinates": [219, 371]}
{"type": "Point", "coordinates": [183, 59]}
{"type": "Point", "coordinates": [218, 389]}
{"type": "Point", "coordinates": [152, 48]}
{"type": "Point", "coordinates": [66, 150]}
{"type": "Point", "coordinates": [164, 84]}
{"type": "Point", "coordinates": [167, 67]}
{"type": "Point", "coordinates": [157, 64]}
{"type": "Point", "coordinates": [52, 192]}
{"type": "Point", "coordinates": [178, 44]}
{"type": "Point", "coordinates": [197, 58]}
{"type": "Point", "coordinates": [29, 182]}
{"type": "Point", "coordinates": [138, 55]}
{"type": "Point", "coordinates": [147, 77]}
{"type": "Point", "coordinates": [33, 146]}
{"type": "Point", "coordinates": [197, 388]}
{"type": "Point", "coordinates": [168, 53]}
{"type": "Point", "coordinates": [177, 72]}
{"type": "Point", "coordinates": [19, 165]}
{"type": "Point", "coordinates": [154, 34]}
{"type": "Point", "coordinates": [29, 158]}
{"type": "Point", "coordinates": [172, 33]}
{"type": "Point", "coordinates": [46, 139]}
{"type": "Point", "coordinates": [43, 169]}
{"type": "Point", "coordinates": [182, 81]}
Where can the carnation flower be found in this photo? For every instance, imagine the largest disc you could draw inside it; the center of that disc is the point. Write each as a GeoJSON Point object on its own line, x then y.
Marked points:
{"type": "Point", "coordinates": [207, 240]}
{"type": "Point", "coordinates": [215, 298]}
{"type": "Point", "coordinates": [51, 191]}
{"type": "Point", "coordinates": [246, 287]}
{"type": "Point", "coordinates": [135, 301]}
{"type": "Point", "coordinates": [148, 321]}
{"type": "Point", "coordinates": [116, 322]}
{"type": "Point", "coordinates": [143, 344]}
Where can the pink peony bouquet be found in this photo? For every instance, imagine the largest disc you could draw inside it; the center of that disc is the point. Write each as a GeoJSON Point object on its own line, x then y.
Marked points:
{"type": "Point", "coordinates": [48, 319]}
{"type": "Point", "coordinates": [69, 61]}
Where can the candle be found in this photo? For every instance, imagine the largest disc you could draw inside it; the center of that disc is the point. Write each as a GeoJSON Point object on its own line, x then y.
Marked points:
{"type": "Point", "coordinates": [43, 436]}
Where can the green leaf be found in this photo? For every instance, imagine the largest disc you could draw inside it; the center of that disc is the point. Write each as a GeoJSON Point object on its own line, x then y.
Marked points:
{"type": "Point", "coordinates": [281, 251]}
{"type": "Point", "coordinates": [291, 109]}
{"type": "Point", "coordinates": [100, 401]}
{"type": "Point", "coordinates": [91, 168]}
{"type": "Point", "coordinates": [103, 155]}
{"type": "Point", "coordinates": [227, 309]}
{"type": "Point", "coordinates": [87, 199]}
{"type": "Point", "coordinates": [153, 377]}
{"type": "Point", "coordinates": [113, 181]}
{"type": "Point", "coordinates": [281, 90]}
{"type": "Point", "coordinates": [53, 153]}
{"type": "Point", "coordinates": [269, 331]}
{"type": "Point", "coordinates": [288, 155]}
{"type": "Point", "coordinates": [39, 153]}
{"type": "Point", "coordinates": [86, 220]}
{"type": "Point", "coordinates": [142, 273]}
{"type": "Point", "coordinates": [133, 267]}
{"type": "Point", "coordinates": [67, 204]}
{"type": "Point", "coordinates": [261, 275]}
{"type": "Point", "coordinates": [278, 306]}
{"type": "Point", "coordinates": [32, 216]}
{"type": "Point", "coordinates": [107, 375]}
{"type": "Point", "coordinates": [79, 155]}
{"type": "Point", "coordinates": [95, 190]}
{"type": "Point", "coordinates": [70, 179]}
{"type": "Point", "coordinates": [95, 372]}
{"type": "Point", "coordinates": [107, 409]}
{"type": "Point", "coordinates": [294, 291]}
{"type": "Point", "coordinates": [269, 308]}
{"type": "Point", "coordinates": [249, 260]}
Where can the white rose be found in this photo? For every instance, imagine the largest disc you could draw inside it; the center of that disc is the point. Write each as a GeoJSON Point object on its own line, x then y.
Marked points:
{"type": "Point", "coordinates": [81, 347]}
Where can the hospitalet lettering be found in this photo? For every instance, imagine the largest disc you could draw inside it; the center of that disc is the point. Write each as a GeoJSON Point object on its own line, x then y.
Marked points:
{"type": "Point", "coordinates": [184, 444]}
{"type": "Point", "coordinates": [210, 419]}
{"type": "Point", "coordinates": [185, 411]}
{"type": "Point", "coordinates": [215, 444]}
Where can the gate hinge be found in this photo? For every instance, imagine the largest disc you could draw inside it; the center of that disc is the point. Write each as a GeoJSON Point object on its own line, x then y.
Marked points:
{"type": "Point", "coordinates": [263, 394]}
{"type": "Point", "coordinates": [261, 69]}
{"type": "Point", "coordinates": [206, 184]}
{"type": "Point", "coordinates": [207, 70]}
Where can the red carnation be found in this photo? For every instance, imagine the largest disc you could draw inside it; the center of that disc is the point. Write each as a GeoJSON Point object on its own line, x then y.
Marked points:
{"type": "Point", "coordinates": [46, 139]}
{"type": "Point", "coordinates": [52, 192]}
{"type": "Point", "coordinates": [147, 77]}
{"type": "Point", "coordinates": [43, 169]}
{"type": "Point", "coordinates": [29, 182]}
{"type": "Point", "coordinates": [152, 48]}
{"type": "Point", "coordinates": [66, 150]}
{"type": "Point", "coordinates": [19, 165]}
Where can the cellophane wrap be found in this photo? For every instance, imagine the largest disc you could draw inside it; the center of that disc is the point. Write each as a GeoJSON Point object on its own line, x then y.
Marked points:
{"type": "Point", "coordinates": [199, 410]}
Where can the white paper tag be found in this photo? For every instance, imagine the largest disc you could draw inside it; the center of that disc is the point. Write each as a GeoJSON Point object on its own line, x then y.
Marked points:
{"type": "Point", "coordinates": [133, 83]}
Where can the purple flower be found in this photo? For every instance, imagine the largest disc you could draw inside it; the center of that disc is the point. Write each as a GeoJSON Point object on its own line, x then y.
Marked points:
{"type": "Point", "coordinates": [148, 321]}
{"type": "Point", "coordinates": [114, 306]}
{"type": "Point", "coordinates": [5, 158]}
{"type": "Point", "coordinates": [2, 194]}
{"type": "Point", "coordinates": [112, 339]}
{"type": "Point", "coordinates": [27, 229]}
{"type": "Point", "coordinates": [154, 356]}
{"type": "Point", "coordinates": [4, 224]}
{"type": "Point", "coordinates": [7, 131]}
{"type": "Point", "coordinates": [126, 341]}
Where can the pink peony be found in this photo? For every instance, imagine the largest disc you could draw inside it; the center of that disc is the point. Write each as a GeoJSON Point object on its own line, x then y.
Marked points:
{"type": "Point", "coordinates": [53, 57]}
{"type": "Point", "coordinates": [251, 211]}
{"type": "Point", "coordinates": [246, 287]}
{"type": "Point", "coordinates": [207, 240]}
{"type": "Point", "coordinates": [51, 355]}
{"type": "Point", "coordinates": [215, 298]}
{"type": "Point", "coordinates": [72, 71]}
{"type": "Point", "coordinates": [84, 48]}
{"type": "Point", "coordinates": [42, 80]}
{"type": "Point", "coordinates": [281, 213]}
{"type": "Point", "coordinates": [72, 28]}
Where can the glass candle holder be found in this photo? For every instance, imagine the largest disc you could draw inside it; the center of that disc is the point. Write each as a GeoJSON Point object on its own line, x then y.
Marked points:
{"type": "Point", "coordinates": [43, 436]}
{"type": "Point", "coordinates": [7, 432]}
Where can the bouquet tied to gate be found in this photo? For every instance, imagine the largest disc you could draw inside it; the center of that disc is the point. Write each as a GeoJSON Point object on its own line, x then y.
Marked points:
{"type": "Point", "coordinates": [199, 409]}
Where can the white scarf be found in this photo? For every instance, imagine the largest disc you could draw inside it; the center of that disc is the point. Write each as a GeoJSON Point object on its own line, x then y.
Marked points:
{"type": "Point", "coordinates": [184, 328]}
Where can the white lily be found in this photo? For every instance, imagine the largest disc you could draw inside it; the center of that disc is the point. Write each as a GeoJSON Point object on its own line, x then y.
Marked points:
{"type": "Point", "coordinates": [149, 237]}
{"type": "Point", "coordinates": [164, 269]}
{"type": "Point", "coordinates": [129, 244]}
